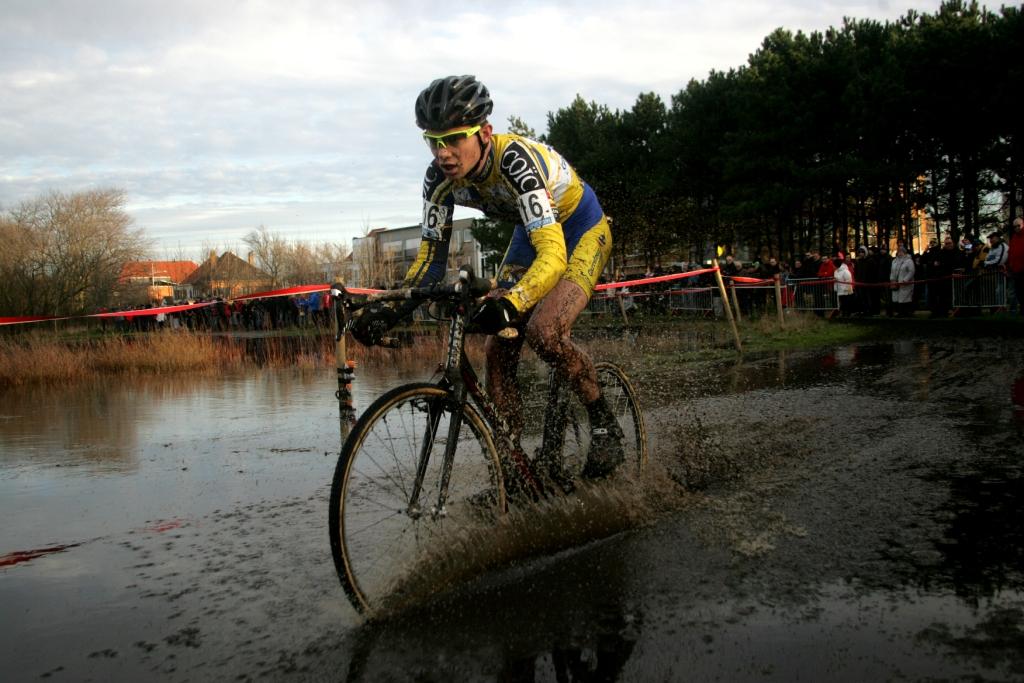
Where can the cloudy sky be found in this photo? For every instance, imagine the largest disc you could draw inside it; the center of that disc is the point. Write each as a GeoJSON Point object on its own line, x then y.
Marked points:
{"type": "Point", "coordinates": [219, 117]}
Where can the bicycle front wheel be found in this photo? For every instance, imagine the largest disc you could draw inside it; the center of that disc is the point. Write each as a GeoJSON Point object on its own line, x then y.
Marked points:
{"type": "Point", "coordinates": [386, 504]}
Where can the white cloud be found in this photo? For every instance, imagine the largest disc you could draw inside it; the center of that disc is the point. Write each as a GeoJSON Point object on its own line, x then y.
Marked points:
{"type": "Point", "coordinates": [218, 117]}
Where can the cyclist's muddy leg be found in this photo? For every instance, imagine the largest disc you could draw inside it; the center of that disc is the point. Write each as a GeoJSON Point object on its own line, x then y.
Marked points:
{"type": "Point", "coordinates": [548, 334]}
{"type": "Point", "coordinates": [502, 357]}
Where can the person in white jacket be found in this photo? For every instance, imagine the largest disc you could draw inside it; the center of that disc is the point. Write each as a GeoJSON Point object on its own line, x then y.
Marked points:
{"type": "Point", "coordinates": [997, 251]}
{"type": "Point", "coordinates": [995, 265]}
{"type": "Point", "coordinates": [844, 287]}
{"type": "Point", "coordinates": [901, 278]}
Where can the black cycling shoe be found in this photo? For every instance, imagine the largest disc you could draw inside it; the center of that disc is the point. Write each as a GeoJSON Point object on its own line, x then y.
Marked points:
{"type": "Point", "coordinates": [606, 451]}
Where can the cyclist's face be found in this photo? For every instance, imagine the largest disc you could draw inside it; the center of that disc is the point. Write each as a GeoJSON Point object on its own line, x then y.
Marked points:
{"type": "Point", "coordinates": [458, 158]}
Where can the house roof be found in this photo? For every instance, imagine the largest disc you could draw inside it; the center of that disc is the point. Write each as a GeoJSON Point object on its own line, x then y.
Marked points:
{"type": "Point", "coordinates": [174, 271]}
{"type": "Point", "coordinates": [227, 266]}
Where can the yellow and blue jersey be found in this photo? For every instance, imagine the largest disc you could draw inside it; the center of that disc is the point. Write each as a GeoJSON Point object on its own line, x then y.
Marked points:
{"type": "Point", "coordinates": [523, 182]}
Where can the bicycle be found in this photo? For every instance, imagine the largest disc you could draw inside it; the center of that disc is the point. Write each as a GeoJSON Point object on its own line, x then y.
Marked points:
{"type": "Point", "coordinates": [428, 454]}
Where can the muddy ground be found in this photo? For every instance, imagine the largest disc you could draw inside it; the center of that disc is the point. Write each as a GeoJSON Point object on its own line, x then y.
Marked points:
{"type": "Point", "coordinates": [853, 514]}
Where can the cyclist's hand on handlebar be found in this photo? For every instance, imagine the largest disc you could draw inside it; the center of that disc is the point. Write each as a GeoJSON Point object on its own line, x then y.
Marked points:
{"type": "Point", "coordinates": [494, 315]}
{"type": "Point", "coordinates": [373, 323]}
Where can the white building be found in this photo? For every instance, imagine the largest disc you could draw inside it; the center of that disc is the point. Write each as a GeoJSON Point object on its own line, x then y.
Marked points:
{"type": "Point", "coordinates": [384, 255]}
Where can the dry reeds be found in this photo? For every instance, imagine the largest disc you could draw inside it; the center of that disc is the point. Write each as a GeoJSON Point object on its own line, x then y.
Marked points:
{"type": "Point", "coordinates": [45, 360]}
{"type": "Point", "coordinates": [39, 359]}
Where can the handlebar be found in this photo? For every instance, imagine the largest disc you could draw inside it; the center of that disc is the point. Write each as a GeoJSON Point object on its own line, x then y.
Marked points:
{"type": "Point", "coordinates": [468, 286]}
{"type": "Point", "coordinates": [478, 287]}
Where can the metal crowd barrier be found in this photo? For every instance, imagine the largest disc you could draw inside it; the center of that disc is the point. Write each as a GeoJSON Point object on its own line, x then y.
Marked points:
{"type": "Point", "coordinates": [813, 295]}
{"type": "Point", "coordinates": [601, 304]}
{"type": "Point", "coordinates": [756, 298]}
{"type": "Point", "coordinates": [690, 300]}
{"type": "Point", "coordinates": [983, 290]}
{"type": "Point", "coordinates": [697, 299]}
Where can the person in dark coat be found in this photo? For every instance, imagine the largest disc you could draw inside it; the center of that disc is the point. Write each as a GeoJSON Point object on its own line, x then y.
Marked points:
{"type": "Point", "coordinates": [940, 271]}
{"type": "Point", "coordinates": [866, 272]}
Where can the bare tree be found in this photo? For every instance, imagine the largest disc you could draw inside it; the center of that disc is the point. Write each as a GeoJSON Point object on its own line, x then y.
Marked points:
{"type": "Point", "coordinates": [374, 263]}
{"type": "Point", "coordinates": [301, 265]}
{"type": "Point", "coordinates": [332, 257]}
{"type": "Point", "coordinates": [271, 252]}
{"type": "Point", "coordinates": [63, 254]}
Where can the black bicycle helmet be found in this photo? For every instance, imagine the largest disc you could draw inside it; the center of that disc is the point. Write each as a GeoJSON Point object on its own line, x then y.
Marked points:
{"type": "Point", "coordinates": [453, 102]}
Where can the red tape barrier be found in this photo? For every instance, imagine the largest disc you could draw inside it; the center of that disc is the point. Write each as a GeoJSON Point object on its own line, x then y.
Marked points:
{"type": "Point", "coordinates": [888, 283]}
{"type": "Point", "coordinates": [735, 280]}
{"type": "Point", "coordinates": [294, 291]}
{"type": "Point", "coordinates": [652, 280]}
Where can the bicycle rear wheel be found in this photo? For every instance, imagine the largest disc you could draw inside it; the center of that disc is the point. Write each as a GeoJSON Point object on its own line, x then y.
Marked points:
{"type": "Point", "coordinates": [621, 396]}
{"type": "Point", "coordinates": [568, 426]}
{"type": "Point", "coordinates": [377, 530]}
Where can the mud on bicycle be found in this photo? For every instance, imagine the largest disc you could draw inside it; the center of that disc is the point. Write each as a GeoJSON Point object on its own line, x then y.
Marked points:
{"type": "Point", "coordinates": [427, 455]}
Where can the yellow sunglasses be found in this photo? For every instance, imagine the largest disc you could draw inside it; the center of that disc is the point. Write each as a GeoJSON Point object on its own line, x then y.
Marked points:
{"type": "Point", "coordinates": [442, 140]}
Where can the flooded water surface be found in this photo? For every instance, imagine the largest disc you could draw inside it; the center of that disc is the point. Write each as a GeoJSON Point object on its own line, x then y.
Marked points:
{"type": "Point", "coordinates": [845, 515]}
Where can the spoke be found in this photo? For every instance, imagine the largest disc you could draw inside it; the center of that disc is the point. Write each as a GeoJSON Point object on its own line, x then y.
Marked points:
{"type": "Point", "coordinates": [391, 441]}
{"type": "Point", "coordinates": [359, 496]}
{"type": "Point", "coordinates": [388, 554]}
{"type": "Point", "coordinates": [369, 480]}
{"type": "Point", "coordinates": [377, 523]}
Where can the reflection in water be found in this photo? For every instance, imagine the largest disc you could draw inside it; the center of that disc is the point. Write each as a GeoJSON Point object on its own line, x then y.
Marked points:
{"type": "Point", "coordinates": [92, 425]}
{"type": "Point", "coordinates": [102, 427]}
{"type": "Point", "coordinates": [1017, 398]}
{"type": "Point", "coordinates": [568, 621]}
{"type": "Point", "coordinates": [77, 462]}
{"type": "Point", "coordinates": [600, 656]}
{"type": "Point", "coordinates": [983, 547]}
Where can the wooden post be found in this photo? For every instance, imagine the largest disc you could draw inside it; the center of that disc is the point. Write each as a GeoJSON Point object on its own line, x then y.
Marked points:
{"type": "Point", "coordinates": [736, 303]}
{"type": "Point", "coordinates": [726, 306]}
{"type": "Point", "coordinates": [778, 301]}
{"type": "Point", "coordinates": [622, 308]}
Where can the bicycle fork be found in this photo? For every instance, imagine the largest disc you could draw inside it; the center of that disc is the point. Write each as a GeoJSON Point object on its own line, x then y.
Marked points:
{"type": "Point", "coordinates": [455, 401]}
{"type": "Point", "coordinates": [435, 410]}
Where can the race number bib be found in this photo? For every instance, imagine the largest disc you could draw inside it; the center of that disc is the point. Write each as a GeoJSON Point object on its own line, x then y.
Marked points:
{"type": "Point", "coordinates": [535, 209]}
{"type": "Point", "coordinates": [435, 217]}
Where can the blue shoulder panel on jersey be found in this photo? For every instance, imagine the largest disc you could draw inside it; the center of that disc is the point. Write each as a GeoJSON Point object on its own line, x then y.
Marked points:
{"type": "Point", "coordinates": [587, 214]}
{"type": "Point", "coordinates": [543, 165]}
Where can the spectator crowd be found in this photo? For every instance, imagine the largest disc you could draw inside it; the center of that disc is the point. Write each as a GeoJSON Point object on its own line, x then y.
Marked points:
{"type": "Point", "coordinates": [870, 282]}
{"type": "Point", "coordinates": [272, 313]}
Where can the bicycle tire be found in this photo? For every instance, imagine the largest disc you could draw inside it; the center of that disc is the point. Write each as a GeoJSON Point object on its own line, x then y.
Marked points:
{"type": "Point", "coordinates": [375, 536]}
{"type": "Point", "coordinates": [567, 465]}
{"type": "Point", "coordinates": [622, 398]}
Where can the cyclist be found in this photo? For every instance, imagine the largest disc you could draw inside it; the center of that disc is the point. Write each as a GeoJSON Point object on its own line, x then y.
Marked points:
{"type": "Point", "coordinates": [560, 245]}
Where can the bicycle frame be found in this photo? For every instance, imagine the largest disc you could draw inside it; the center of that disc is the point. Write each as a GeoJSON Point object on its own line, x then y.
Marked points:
{"type": "Point", "coordinates": [460, 381]}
